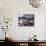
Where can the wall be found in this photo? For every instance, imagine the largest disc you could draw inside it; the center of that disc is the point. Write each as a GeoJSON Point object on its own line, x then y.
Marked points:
{"type": "Point", "coordinates": [11, 8]}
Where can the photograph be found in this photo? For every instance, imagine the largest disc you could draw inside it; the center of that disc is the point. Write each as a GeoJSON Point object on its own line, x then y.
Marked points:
{"type": "Point", "coordinates": [26, 20]}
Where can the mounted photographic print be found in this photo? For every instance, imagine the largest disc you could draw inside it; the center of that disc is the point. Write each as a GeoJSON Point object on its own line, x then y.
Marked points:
{"type": "Point", "coordinates": [26, 20]}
